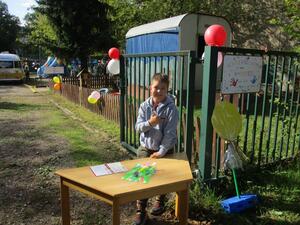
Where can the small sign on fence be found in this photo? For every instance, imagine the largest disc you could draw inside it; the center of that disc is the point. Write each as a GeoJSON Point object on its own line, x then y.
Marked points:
{"type": "Point", "coordinates": [54, 70]}
{"type": "Point", "coordinates": [241, 74]}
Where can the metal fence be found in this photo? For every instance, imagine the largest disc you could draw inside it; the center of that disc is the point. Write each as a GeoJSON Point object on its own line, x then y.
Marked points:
{"type": "Point", "coordinates": [270, 117]}
{"type": "Point", "coordinates": [136, 73]}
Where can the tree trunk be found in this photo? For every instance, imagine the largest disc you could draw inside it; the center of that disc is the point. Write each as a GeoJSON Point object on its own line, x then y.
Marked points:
{"type": "Point", "coordinates": [83, 60]}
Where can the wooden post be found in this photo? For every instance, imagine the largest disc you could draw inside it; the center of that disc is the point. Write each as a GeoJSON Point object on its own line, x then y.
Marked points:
{"type": "Point", "coordinates": [116, 212]}
{"type": "Point", "coordinates": [181, 209]}
{"type": "Point", "coordinates": [65, 204]}
{"type": "Point", "coordinates": [80, 91]}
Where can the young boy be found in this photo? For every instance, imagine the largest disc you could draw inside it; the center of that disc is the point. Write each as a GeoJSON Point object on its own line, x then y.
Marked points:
{"type": "Point", "coordinates": [157, 123]}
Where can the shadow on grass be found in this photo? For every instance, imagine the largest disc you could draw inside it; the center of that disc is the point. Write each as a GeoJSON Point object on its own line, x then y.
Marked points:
{"type": "Point", "coordinates": [19, 106]}
{"type": "Point", "coordinates": [19, 132]}
{"type": "Point", "coordinates": [268, 221]}
{"type": "Point", "coordinates": [85, 156]}
{"type": "Point", "coordinates": [249, 217]}
{"type": "Point", "coordinates": [156, 222]}
{"type": "Point", "coordinates": [281, 205]}
{"type": "Point", "coordinates": [279, 178]}
{"type": "Point", "coordinates": [8, 83]}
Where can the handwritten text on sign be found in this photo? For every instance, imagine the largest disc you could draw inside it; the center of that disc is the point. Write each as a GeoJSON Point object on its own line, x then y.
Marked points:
{"type": "Point", "coordinates": [241, 74]}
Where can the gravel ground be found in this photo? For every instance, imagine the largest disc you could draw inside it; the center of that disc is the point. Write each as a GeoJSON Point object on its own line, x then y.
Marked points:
{"type": "Point", "coordinates": [29, 156]}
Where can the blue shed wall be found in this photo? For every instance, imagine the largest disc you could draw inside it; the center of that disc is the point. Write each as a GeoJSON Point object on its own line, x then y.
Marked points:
{"type": "Point", "coordinates": [154, 42]}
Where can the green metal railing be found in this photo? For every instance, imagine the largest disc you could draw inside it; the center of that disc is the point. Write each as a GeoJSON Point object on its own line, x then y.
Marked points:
{"type": "Point", "coordinates": [136, 79]}
{"type": "Point", "coordinates": [271, 117]}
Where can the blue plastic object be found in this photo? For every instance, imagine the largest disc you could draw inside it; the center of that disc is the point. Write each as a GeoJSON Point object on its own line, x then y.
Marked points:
{"type": "Point", "coordinates": [236, 204]}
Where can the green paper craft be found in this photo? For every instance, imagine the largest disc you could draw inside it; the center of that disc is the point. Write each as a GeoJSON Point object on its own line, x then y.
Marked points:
{"type": "Point", "coordinates": [140, 173]}
{"type": "Point", "coordinates": [227, 121]}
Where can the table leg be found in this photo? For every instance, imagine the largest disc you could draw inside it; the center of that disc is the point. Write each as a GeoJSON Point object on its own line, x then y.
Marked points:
{"type": "Point", "coordinates": [65, 203]}
{"type": "Point", "coordinates": [181, 210]}
{"type": "Point", "coordinates": [116, 213]}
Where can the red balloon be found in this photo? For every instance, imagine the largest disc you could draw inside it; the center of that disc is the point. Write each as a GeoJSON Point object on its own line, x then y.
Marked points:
{"type": "Point", "coordinates": [114, 53]}
{"type": "Point", "coordinates": [215, 35]}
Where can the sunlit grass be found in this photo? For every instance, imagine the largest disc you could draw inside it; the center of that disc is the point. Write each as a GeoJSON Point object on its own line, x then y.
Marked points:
{"type": "Point", "coordinates": [94, 120]}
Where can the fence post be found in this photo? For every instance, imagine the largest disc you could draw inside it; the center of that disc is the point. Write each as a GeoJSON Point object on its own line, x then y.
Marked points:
{"type": "Point", "coordinates": [80, 91]}
{"type": "Point", "coordinates": [190, 105]}
{"type": "Point", "coordinates": [208, 104]}
{"type": "Point", "coordinates": [122, 99]}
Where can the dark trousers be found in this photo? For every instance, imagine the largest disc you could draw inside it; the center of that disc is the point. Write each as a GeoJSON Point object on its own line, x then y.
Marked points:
{"type": "Point", "coordinates": [144, 153]}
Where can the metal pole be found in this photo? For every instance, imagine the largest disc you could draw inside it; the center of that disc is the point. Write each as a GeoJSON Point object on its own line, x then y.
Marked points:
{"type": "Point", "coordinates": [122, 99]}
{"type": "Point", "coordinates": [190, 105]}
{"type": "Point", "coordinates": [208, 104]}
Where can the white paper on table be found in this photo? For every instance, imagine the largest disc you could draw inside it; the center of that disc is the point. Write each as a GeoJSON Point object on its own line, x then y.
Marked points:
{"type": "Point", "coordinates": [100, 170]}
{"type": "Point", "coordinates": [116, 167]}
{"type": "Point", "coordinates": [109, 168]}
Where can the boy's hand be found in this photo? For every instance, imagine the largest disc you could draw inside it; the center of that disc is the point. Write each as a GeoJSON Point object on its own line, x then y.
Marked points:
{"type": "Point", "coordinates": [154, 119]}
{"type": "Point", "coordinates": [155, 155]}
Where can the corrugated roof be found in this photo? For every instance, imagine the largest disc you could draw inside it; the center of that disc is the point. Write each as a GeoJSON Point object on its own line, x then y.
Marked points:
{"type": "Point", "coordinates": [157, 26]}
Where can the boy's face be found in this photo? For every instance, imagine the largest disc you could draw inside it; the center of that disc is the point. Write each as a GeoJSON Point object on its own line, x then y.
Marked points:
{"type": "Point", "coordinates": [159, 91]}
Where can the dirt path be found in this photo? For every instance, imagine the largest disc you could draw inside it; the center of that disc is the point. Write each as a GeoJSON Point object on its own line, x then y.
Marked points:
{"type": "Point", "coordinates": [29, 155]}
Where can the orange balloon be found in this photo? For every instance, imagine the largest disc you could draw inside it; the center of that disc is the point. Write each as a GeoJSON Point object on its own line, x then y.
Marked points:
{"type": "Point", "coordinates": [57, 86]}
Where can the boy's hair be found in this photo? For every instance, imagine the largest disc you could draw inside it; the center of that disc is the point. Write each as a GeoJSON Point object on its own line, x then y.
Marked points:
{"type": "Point", "coordinates": [163, 78]}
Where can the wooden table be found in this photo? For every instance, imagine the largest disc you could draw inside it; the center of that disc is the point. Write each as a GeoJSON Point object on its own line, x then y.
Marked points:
{"type": "Point", "coordinates": [173, 175]}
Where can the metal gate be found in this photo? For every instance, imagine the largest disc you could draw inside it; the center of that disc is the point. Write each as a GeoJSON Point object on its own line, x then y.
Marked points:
{"type": "Point", "coordinates": [136, 72]}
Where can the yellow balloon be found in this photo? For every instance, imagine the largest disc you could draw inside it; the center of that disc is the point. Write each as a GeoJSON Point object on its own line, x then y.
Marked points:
{"type": "Point", "coordinates": [227, 121]}
{"type": "Point", "coordinates": [92, 100]}
{"type": "Point", "coordinates": [56, 80]}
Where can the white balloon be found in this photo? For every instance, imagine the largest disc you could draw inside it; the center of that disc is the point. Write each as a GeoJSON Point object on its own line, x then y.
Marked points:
{"type": "Point", "coordinates": [220, 58]}
{"type": "Point", "coordinates": [95, 94]}
{"type": "Point", "coordinates": [113, 66]}
{"type": "Point", "coordinates": [203, 56]}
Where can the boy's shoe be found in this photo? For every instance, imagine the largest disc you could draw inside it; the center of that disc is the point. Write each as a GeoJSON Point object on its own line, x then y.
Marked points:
{"type": "Point", "coordinates": [158, 208]}
{"type": "Point", "coordinates": [141, 218]}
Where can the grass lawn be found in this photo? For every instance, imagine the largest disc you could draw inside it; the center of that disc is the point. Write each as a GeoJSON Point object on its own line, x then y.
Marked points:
{"type": "Point", "coordinates": [84, 150]}
{"type": "Point", "coordinates": [37, 139]}
{"type": "Point", "coordinates": [278, 189]}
